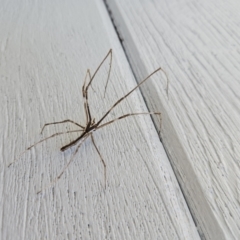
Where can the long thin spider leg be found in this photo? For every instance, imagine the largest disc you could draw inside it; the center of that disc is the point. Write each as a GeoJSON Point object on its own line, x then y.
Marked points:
{"type": "Point", "coordinates": [85, 88]}
{"type": "Point", "coordinates": [110, 66]}
{"type": "Point", "coordinates": [116, 103]}
{"type": "Point", "coordinates": [85, 97]}
{"type": "Point", "coordinates": [54, 135]}
{"type": "Point", "coordinates": [65, 167]}
{"type": "Point", "coordinates": [109, 71]}
{"type": "Point", "coordinates": [68, 120]}
{"type": "Point", "coordinates": [104, 164]}
{"type": "Point", "coordinates": [128, 115]}
{"type": "Point", "coordinates": [87, 104]}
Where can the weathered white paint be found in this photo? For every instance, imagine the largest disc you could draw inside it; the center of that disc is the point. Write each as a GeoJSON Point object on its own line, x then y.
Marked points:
{"type": "Point", "coordinates": [197, 43]}
{"type": "Point", "coordinates": [46, 48]}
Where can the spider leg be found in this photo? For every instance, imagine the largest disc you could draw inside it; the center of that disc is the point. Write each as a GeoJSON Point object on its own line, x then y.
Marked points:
{"type": "Point", "coordinates": [112, 121]}
{"type": "Point", "coordinates": [54, 135]}
{"type": "Point", "coordinates": [65, 167]}
{"type": "Point", "coordinates": [131, 114]}
{"type": "Point", "coordinates": [67, 120]}
{"type": "Point", "coordinates": [121, 99]}
{"type": "Point", "coordinates": [85, 97]}
{"type": "Point", "coordinates": [109, 71]}
{"type": "Point", "coordinates": [103, 162]}
{"type": "Point", "coordinates": [86, 86]}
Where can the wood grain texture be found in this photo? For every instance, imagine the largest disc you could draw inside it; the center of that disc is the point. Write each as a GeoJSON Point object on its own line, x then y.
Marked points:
{"type": "Point", "coordinates": [197, 44]}
{"type": "Point", "coordinates": [46, 48]}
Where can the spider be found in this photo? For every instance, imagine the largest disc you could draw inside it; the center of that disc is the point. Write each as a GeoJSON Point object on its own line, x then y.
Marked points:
{"type": "Point", "coordinates": [92, 125]}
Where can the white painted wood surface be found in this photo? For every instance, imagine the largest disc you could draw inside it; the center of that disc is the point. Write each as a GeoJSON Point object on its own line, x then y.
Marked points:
{"type": "Point", "coordinates": [46, 48]}
{"type": "Point", "coordinates": [197, 43]}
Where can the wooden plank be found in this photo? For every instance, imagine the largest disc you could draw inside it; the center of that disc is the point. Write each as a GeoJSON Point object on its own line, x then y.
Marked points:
{"type": "Point", "coordinates": [197, 44]}
{"type": "Point", "coordinates": [46, 48]}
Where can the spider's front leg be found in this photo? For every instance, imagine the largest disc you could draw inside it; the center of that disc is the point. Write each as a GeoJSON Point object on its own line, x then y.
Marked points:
{"type": "Point", "coordinates": [85, 97]}
{"type": "Point", "coordinates": [87, 85]}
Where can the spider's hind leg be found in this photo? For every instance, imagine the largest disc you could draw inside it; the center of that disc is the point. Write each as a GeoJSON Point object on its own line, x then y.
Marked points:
{"type": "Point", "coordinates": [54, 135]}
{"type": "Point", "coordinates": [66, 166]}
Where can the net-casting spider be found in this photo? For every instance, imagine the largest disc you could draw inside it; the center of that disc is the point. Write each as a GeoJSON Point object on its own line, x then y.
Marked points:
{"type": "Point", "coordinates": [91, 125]}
